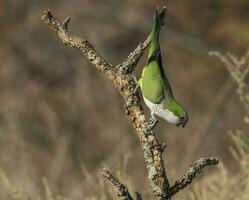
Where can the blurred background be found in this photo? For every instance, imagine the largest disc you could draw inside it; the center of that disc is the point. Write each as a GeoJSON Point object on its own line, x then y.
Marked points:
{"type": "Point", "coordinates": [61, 119]}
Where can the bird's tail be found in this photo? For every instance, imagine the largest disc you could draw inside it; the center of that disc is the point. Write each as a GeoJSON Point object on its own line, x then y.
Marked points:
{"type": "Point", "coordinates": [155, 33]}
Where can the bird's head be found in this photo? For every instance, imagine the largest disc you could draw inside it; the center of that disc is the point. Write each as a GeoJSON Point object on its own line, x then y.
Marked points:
{"type": "Point", "coordinates": [179, 114]}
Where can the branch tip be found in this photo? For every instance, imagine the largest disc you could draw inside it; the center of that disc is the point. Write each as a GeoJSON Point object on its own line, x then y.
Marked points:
{"type": "Point", "coordinates": [131, 61]}
{"type": "Point", "coordinates": [47, 15]}
{"type": "Point", "coordinates": [194, 169]}
{"type": "Point", "coordinates": [121, 190]}
{"type": "Point", "coordinates": [60, 29]}
{"type": "Point", "coordinates": [66, 22]}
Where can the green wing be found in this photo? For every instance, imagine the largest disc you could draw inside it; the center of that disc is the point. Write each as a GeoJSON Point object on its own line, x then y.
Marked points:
{"type": "Point", "coordinates": [154, 83]}
{"type": "Point", "coordinates": [168, 89]}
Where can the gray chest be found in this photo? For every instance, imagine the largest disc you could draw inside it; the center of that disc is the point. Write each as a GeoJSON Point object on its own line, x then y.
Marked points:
{"type": "Point", "coordinates": [161, 111]}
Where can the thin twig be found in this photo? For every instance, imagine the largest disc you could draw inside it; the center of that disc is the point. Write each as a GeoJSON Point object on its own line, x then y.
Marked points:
{"type": "Point", "coordinates": [133, 58]}
{"type": "Point", "coordinates": [195, 169]}
{"type": "Point", "coordinates": [86, 48]}
{"type": "Point", "coordinates": [66, 22]}
{"type": "Point", "coordinates": [121, 190]}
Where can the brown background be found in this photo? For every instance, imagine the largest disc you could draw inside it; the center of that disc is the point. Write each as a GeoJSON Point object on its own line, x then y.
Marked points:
{"type": "Point", "coordinates": [58, 114]}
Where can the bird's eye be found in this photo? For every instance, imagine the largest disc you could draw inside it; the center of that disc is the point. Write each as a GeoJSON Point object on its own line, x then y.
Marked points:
{"type": "Point", "coordinates": [182, 117]}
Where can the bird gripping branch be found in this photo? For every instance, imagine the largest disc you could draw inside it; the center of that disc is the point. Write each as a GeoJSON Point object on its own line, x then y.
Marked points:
{"type": "Point", "coordinates": [155, 87]}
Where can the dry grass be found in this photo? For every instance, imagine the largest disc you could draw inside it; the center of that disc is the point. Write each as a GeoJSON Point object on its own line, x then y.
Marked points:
{"type": "Point", "coordinates": [223, 184]}
{"type": "Point", "coordinates": [54, 107]}
{"type": "Point", "coordinates": [103, 191]}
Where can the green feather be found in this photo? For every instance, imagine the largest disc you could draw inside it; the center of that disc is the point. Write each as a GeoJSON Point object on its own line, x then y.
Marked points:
{"type": "Point", "coordinates": [172, 105]}
{"type": "Point", "coordinates": [155, 33]}
{"type": "Point", "coordinates": [154, 83]}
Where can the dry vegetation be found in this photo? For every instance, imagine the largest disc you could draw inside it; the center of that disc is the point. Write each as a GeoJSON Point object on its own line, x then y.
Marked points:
{"type": "Point", "coordinates": [48, 123]}
{"type": "Point", "coordinates": [223, 184]}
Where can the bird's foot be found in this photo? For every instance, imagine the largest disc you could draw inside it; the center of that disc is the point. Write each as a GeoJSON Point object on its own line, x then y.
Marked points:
{"type": "Point", "coordinates": [137, 86]}
{"type": "Point", "coordinates": [152, 122]}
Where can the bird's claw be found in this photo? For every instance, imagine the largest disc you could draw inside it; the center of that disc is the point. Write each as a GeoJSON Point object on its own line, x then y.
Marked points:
{"type": "Point", "coordinates": [137, 86]}
{"type": "Point", "coordinates": [152, 122]}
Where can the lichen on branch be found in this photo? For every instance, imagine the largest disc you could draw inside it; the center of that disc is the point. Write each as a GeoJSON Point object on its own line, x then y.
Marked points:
{"type": "Point", "coordinates": [124, 81]}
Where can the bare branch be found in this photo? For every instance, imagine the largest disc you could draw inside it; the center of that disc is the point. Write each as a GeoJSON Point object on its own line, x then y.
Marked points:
{"type": "Point", "coordinates": [133, 58]}
{"type": "Point", "coordinates": [121, 190]}
{"type": "Point", "coordinates": [125, 84]}
{"type": "Point", "coordinates": [60, 29]}
{"type": "Point", "coordinates": [195, 169]}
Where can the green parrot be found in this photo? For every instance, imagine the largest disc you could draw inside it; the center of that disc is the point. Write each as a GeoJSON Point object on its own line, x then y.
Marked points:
{"type": "Point", "coordinates": [155, 87]}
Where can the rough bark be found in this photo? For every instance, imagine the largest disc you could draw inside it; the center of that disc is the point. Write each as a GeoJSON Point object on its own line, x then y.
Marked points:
{"type": "Point", "coordinates": [125, 83]}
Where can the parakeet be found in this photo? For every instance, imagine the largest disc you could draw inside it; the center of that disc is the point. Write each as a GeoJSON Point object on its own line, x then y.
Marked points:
{"type": "Point", "coordinates": [155, 87]}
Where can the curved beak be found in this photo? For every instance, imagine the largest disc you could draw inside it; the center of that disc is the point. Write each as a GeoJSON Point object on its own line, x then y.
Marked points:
{"type": "Point", "coordinates": [182, 122]}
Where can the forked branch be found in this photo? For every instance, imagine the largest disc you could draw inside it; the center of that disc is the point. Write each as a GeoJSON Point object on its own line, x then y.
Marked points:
{"type": "Point", "coordinates": [124, 81]}
{"type": "Point", "coordinates": [121, 190]}
{"type": "Point", "coordinates": [196, 168]}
